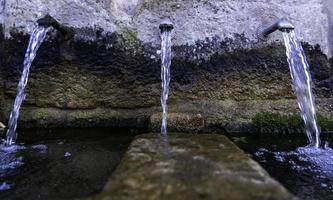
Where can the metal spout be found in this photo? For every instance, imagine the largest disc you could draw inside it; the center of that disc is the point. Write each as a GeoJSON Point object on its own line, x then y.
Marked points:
{"type": "Point", "coordinates": [166, 24]}
{"type": "Point", "coordinates": [49, 21]}
{"type": "Point", "coordinates": [282, 25]}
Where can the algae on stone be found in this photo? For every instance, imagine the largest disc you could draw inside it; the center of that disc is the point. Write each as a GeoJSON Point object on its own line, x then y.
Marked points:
{"type": "Point", "coordinates": [275, 122]}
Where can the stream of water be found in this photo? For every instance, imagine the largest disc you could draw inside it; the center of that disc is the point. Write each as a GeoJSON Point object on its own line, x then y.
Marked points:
{"type": "Point", "coordinates": [36, 39]}
{"type": "Point", "coordinates": [165, 75]}
{"type": "Point", "coordinates": [302, 84]}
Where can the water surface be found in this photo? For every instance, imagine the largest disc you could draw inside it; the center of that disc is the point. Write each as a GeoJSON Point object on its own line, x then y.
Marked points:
{"type": "Point", "coordinates": [61, 164]}
{"type": "Point", "coordinates": [305, 171]}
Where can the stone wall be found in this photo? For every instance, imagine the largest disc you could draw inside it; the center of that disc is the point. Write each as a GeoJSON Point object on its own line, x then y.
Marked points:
{"type": "Point", "coordinates": [329, 9]}
{"type": "Point", "coordinates": [108, 73]}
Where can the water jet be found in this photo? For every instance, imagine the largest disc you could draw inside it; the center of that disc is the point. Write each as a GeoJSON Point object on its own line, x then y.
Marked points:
{"type": "Point", "coordinates": [36, 39]}
{"type": "Point", "coordinates": [166, 28]}
{"type": "Point", "coordinates": [300, 73]}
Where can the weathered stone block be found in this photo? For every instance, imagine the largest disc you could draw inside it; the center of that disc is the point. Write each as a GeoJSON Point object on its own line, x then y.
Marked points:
{"type": "Point", "coordinates": [189, 167]}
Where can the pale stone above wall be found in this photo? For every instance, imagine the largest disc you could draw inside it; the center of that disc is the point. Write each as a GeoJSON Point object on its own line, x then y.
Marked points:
{"type": "Point", "coordinates": [199, 20]}
{"type": "Point", "coordinates": [328, 7]}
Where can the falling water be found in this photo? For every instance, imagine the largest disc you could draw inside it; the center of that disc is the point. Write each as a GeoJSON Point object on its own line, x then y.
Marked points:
{"type": "Point", "coordinates": [36, 40]}
{"type": "Point", "coordinates": [165, 75]}
{"type": "Point", "coordinates": [302, 83]}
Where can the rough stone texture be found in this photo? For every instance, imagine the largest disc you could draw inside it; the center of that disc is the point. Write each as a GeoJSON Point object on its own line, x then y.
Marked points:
{"type": "Point", "coordinates": [73, 82]}
{"type": "Point", "coordinates": [179, 122]}
{"type": "Point", "coordinates": [226, 18]}
{"type": "Point", "coordinates": [280, 116]}
{"type": "Point", "coordinates": [108, 73]}
{"type": "Point", "coordinates": [189, 167]}
{"type": "Point", "coordinates": [328, 4]}
{"type": "Point", "coordinates": [275, 116]}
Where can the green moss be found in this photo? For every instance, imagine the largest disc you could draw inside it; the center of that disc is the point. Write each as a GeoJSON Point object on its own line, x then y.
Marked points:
{"type": "Point", "coordinates": [130, 36]}
{"type": "Point", "coordinates": [325, 123]}
{"type": "Point", "coordinates": [271, 122]}
{"type": "Point", "coordinates": [149, 5]}
{"type": "Point", "coordinates": [129, 40]}
{"type": "Point", "coordinates": [42, 114]}
{"type": "Point", "coordinates": [239, 140]}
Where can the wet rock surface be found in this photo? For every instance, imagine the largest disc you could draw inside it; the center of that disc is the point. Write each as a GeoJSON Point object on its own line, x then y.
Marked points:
{"type": "Point", "coordinates": [108, 72]}
{"type": "Point", "coordinates": [107, 82]}
{"type": "Point", "coordinates": [189, 167]}
{"type": "Point", "coordinates": [61, 164]}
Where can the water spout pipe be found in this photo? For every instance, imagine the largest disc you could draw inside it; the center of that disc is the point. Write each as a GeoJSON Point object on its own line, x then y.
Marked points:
{"type": "Point", "coordinates": [49, 21]}
{"type": "Point", "coordinates": [282, 25]}
{"type": "Point", "coordinates": [166, 24]}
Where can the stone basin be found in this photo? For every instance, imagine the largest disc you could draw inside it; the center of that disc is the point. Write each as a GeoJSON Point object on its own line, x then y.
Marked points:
{"type": "Point", "coordinates": [189, 166]}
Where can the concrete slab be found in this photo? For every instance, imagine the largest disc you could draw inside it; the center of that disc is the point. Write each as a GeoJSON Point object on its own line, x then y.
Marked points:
{"type": "Point", "coordinates": [187, 166]}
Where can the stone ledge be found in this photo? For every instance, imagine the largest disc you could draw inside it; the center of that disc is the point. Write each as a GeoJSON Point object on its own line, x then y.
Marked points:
{"type": "Point", "coordinates": [179, 122]}
{"type": "Point", "coordinates": [2, 128]}
{"type": "Point", "coordinates": [189, 167]}
{"type": "Point", "coordinates": [267, 116]}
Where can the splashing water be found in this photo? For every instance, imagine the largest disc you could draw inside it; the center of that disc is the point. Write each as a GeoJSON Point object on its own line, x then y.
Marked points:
{"type": "Point", "coordinates": [10, 161]}
{"type": "Point", "coordinates": [165, 75]}
{"type": "Point", "coordinates": [302, 84]}
{"type": "Point", "coordinates": [36, 40]}
{"type": "Point", "coordinates": [309, 170]}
